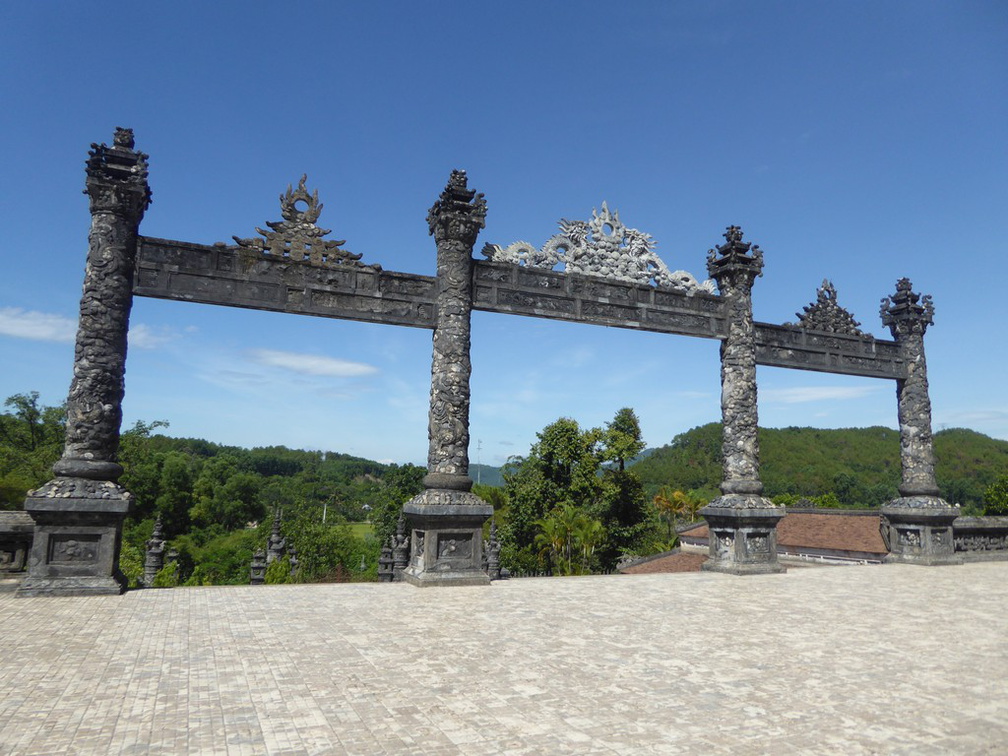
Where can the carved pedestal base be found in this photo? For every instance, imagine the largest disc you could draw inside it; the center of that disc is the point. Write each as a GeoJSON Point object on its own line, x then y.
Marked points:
{"type": "Point", "coordinates": [918, 530]}
{"type": "Point", "coordinates": [78, 533]}
{"type": "Point", "coordinates": [446, 546]}
{"type": "Point", "coordinates": [742, 535]}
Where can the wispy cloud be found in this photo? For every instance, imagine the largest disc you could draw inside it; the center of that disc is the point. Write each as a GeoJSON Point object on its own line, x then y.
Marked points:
{"type": "Point", "coordinates": [311, 364]}
{"type": "Point", "coordinates": [37, 326]}
{"type": "Point", "coordinates": [804, 394]}
{"type": "Point", "coordinates": [146, 337]}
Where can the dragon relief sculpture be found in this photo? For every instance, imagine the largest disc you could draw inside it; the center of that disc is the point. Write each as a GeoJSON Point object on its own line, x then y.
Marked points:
{"type": "Point", "coordinates": [601, 247]}
{"type": "Point", "coordinates": [825, 314]}
{"type": "Point", "coordinates": [296, 238]}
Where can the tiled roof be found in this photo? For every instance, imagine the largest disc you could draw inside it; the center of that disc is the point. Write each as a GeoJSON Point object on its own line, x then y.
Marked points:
{"type": "Point", "coordinates": [842, 532]}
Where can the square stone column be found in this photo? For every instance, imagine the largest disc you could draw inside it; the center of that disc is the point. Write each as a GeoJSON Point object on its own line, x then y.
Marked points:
{"type": "Point", "coordinates": [78, 535]}
{"type": "Point", "coordinates": [447, 538]}
{"type": "Point", "coordinates": [742, 535]}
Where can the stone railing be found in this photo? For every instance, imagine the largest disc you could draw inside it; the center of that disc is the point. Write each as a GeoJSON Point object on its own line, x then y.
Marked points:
{"type": "Point", "coordinates": [980, 538]}
{"type": "Point", "coordinates": [16, 532]}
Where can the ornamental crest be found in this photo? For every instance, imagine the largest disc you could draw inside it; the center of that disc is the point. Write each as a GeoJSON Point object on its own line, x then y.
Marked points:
{"type": "Point", "coordinates": [826, 315]}
{"type": "Point", "coordinates": [601, 247]}
{"type": "Point", "coordinates": [296, 238]}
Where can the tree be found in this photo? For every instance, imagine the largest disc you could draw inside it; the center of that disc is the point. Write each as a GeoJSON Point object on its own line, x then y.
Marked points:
{"type": "Point", "coordinates": [571, 471]}
{"type": "Point", "coordinates": [622, 438]}
{"type": "Point", "coordinates": [402, 483]}
{"type": "Point", "coordinates": [996, 497]}
{"type": "Point", "coordinates": [676, 506]}
{"type": "Point", "coordinates": [31, 440]}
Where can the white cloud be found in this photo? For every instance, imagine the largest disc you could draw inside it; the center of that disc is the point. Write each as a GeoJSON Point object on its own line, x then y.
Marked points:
{"type": "Point", "coordinates": [804, 394]}
{"type": "Point", "coordinates": [311, 364]}
{"type": "Point", "coordinates": [37, 326]}
{"type": "Point", "coordinates": [145, 337]}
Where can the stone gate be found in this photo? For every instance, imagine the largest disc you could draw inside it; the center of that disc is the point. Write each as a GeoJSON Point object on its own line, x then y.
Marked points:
{"type": "Point", "coordinates": [597, 271]}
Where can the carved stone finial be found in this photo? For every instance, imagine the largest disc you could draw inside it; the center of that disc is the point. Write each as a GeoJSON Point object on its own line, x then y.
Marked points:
{"type": "Point", "coordinates": [825, 314]}
{"type": "Point", "coordinates": [735, 263]}
{"type": "Point", "coordinates": [601, 247]}
{"type": "Point", "coordinates": [296, 238]}
{"type": "Point", "coordinates": [117, 176]}
{"type": "Point", "coordinates": [906, 312]}
{"type": "Point", "coordinates": [459, 213]}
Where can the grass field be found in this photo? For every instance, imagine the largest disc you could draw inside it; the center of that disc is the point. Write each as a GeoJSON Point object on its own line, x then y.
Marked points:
{"type": "Point", "coordinates": [360, 529]}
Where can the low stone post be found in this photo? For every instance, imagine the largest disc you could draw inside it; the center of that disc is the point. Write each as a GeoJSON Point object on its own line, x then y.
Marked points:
{"type": "Point", "coordinates": [493, 549]}
{"type": "Point", "coordinates": [919, 521]}
{"type": "Point", "coordinates": [446, 520]}
{"type": "Point", "coordinates": [78, 515]}
{"type": "Point", "coordinates": [154, 560]}
{"type": "Point", "coordinates": [257, 573]}
{"type": "Point", "coordinates": [742, 523]}
{"type": "Point", "coordinates": [400, 549]}
{"type": "Point", "coordinates": [385, 573]}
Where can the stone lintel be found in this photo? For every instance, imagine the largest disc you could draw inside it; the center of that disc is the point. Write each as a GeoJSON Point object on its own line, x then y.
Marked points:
{"type": "Point", "coordinates": [743, 535]}
{"type": "Point", "coordinates": [919, 530]}
{"type": "Point", "coordinates": [446, 541]}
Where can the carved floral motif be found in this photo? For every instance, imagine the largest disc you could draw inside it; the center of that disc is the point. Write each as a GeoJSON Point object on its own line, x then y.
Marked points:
{"type": "Point", "coordinates": [297, 238]}
{"type": "Point", "coordinates": [825, 314]}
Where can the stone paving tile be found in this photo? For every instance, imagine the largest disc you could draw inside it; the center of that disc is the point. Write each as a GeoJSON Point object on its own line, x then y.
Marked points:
{"type": "Point", "coordinates": [845, 660]}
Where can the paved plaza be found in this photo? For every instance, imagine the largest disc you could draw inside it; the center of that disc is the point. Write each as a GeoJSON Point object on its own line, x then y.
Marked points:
{"type": "Point", "coordinates": [846, 660]}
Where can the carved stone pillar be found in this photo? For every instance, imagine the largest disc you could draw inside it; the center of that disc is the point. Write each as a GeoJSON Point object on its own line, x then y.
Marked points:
{"type": "Point", "coordinates": [742, 524]}
{"type": "Point", "coordinates": [447, 518]}
{"type": "Point", "coordinates": [918, 523]}
{"type": "Point", "coordinates": [78, 515]}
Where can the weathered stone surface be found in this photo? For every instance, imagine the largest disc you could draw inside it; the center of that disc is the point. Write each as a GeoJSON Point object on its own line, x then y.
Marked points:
{"type": "Point", "coordinates": [78, 535]}
{"type": "Point", "coordinates": [742, 522]}
{"type": "Point", "coordinates": [743, 535]}
{"type": "Point", "coordinates": [981, 538]}
{"type": "Point", "coordinates": [825, 314]}
{"type": "Point", "coordinates": [78, 516]}
{"type": "Point", "coordinates": [602, 247]}
{"type": "Point", "coordinates": [455, 220]}
{"type": "Point", "coordinates": [154, 557]}
{"type": "Point", "coordinates": [119, 194]}
{"type": "Point", "coordinates": [919, 530]}
{"type": "Point", "coordinates": [446, 545]}
{"type": "Point", "coordinates": [16, 532]}
{"type": "Point", "coordinates": [920, 522]}
{"type": "Point", "coordinates": [296, 238]}
{"type": "Point", "coordinates": [789, 346]}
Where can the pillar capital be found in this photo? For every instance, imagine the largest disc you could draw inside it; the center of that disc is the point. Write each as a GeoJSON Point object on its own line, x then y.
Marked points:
{"type": "Point", "coordinates": [459, 213]}
{"type": "Point", "coordinates": [117, 177]}
{"type": "Point", "coordinates": [907, 313]}
{"type": "Point", "coordinates": [735, 264]}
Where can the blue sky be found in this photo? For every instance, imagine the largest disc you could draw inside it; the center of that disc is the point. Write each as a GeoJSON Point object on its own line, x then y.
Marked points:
{"type": "Point", "coordinates": [855, 141]}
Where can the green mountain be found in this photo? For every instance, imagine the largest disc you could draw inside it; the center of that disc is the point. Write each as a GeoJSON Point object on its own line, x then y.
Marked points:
{"type": "Point", "coordinates": [860, 465]}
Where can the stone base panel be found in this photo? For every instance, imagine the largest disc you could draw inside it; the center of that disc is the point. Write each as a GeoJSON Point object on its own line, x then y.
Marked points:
{"type": "Point", "coordinates": [75, 547]}
{"type": "Point", "coordinates": [919, 530]}
{"type": "Point", "coordinates": [446, 540]}
{"type": "Point", "coordinates": [743, 535]}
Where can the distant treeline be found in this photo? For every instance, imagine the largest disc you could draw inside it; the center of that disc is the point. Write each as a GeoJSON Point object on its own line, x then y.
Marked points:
{"type": "Point", "coordinates": [861, 466]}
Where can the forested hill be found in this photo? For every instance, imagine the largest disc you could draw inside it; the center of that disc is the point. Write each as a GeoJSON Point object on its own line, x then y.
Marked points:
{"type": "Point", "coordinates": [860, 465]}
